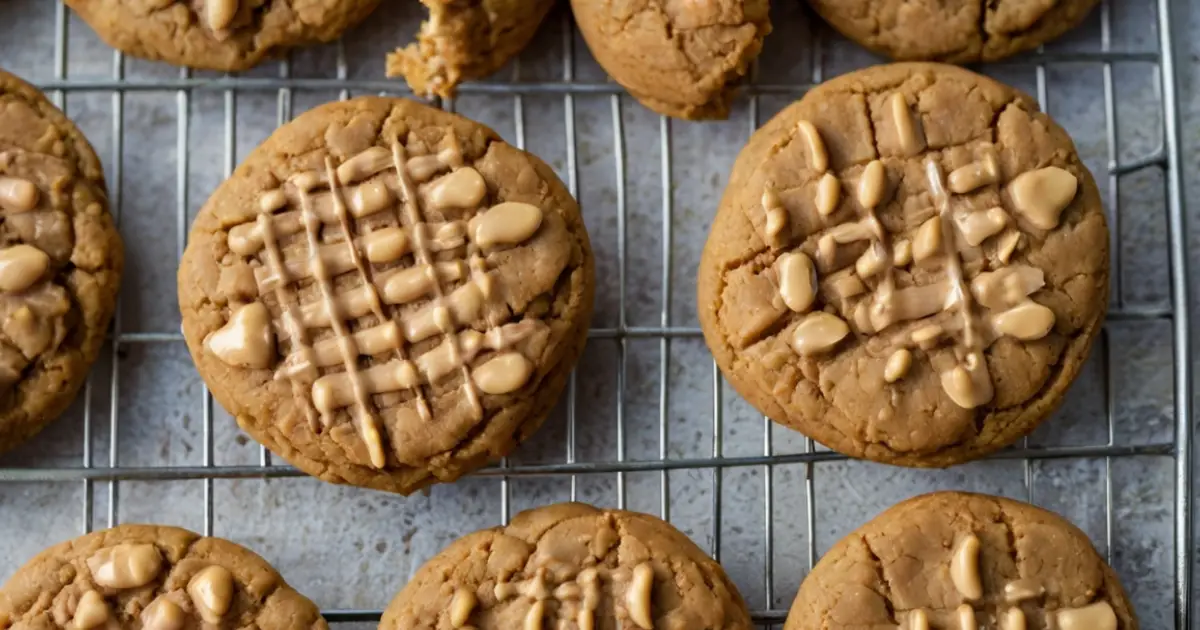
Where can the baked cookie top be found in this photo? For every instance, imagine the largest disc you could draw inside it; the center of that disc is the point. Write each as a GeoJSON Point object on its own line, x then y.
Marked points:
{"type": "Point", "coordinates": [963, 561]}
{"type": "Point", "coordinates": [464, 41]}
{"type": "Point", "coordinates": [226, 35]}
{"type": "Point", "coordinates": [60, 260]}
{"type": "Point", "coordinates": [954, 31]}
{"type": "Point", "coordinates": [387, 294]}
{"type": "Point", "coordinates": [677, 58]}
{"type": "Point", "coordinates": [909, 265]}
{"type": "Point", "coordinates": [156, 578]}
{"type": "Point", "coordinates": [570, 565]}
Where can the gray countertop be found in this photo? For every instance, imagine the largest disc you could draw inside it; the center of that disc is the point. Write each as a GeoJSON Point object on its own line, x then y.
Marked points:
{"type": "Point", "coordinates": [351, 549]}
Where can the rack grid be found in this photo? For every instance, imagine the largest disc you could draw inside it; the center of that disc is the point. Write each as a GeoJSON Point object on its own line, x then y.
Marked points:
{"type": "Point", "coordinates": [108, 476]}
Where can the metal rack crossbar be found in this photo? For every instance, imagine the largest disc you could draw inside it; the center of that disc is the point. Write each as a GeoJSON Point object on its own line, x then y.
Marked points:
{"type": "Point", "coordinates": [96, 468]}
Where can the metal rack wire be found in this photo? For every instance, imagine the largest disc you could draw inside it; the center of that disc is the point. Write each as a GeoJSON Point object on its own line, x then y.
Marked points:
{"type": "Point", "coordinates": [185, 86]}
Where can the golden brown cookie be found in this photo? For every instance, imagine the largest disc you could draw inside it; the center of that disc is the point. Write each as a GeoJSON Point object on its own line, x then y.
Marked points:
{"type": "Point", "coordinates": [570, 566]}
{"type": "Point", "coordinates": [60, 260]}
{"type": "Point", "coordinates": [465, 40]}
{"type": "Point", "coordinates": [386, 294]}
{"type": "Point", "coordinates": [155, 578]}
{"type": "Point", "coordinates": [227, 35]}
{"type": "Point", "coordinates": [908, 265]}
{"type": "Point", "coordinates": [969, 561]}
{"type": "Point", "coordinates": [953, 31]}
{"type": "Point", "coordinates": [677, 57]}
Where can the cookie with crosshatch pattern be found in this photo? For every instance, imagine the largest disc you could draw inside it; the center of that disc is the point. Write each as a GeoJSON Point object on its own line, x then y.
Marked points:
{"type": "Point", "coordinates": [908, 265]}
{"type": "Point", "coordinates": [60, 260]}
{"type": "Point", "coordinates": [386, 294]}
{"type": "Point", "coordinates": [575, 567]}
{"type": "Point", "coordinates": [961, 561]}
{"type": "Point", "coordinates": [227, 35]}
{"type": "Point", "coordinates": [155, 578]}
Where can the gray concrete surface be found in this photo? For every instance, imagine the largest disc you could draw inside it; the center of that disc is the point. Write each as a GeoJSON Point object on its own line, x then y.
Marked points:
{"type": "Point", "coordinates": [351, 549]}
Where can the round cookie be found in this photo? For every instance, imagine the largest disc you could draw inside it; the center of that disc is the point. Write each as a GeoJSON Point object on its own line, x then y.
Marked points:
{"type": "Point", "coordinates": [156, 578]}
{"type": "Point", "coordinates": [225, 35]}
{"type": "Point", "coordinates": [677, 58]}
{"type": "Point", "coordinates": [959, 560]}
{"type": "Point", "coordinates": [60, 260]}
{"type": "Point", "coordinates": [570, 566]}
{"type": "Point", "coordinates": [953, 31]}
{"type": "Point", "coordinates": [464, 41]}
{"type": "Point", "coordinates": [908, 265]}
{"type": "Point", "coordinates": [436, 342]}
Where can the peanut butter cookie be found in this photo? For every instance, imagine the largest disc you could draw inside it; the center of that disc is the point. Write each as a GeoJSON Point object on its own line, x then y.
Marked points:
{"type": "Point", "coordinates": [908, 265]}
{"type": "Point", "coordinates": [954, 31]}
{"type": "Point", "coordinates": [963, 561]}
{"type": "Point", "coordinates": [386, 294]}
{"type": "Point", "coordinates": [677, 57]}
{"type": "Point", "coordinates": [465, 40]}
{"type": "Point", "coordinates": [156, 578]}
{"type": "Point", "coordinates": [60, 260]}
{"type": "Point", "coordinates": [226, 35]}
{"type": "Point", "coordinates": [570, 566]}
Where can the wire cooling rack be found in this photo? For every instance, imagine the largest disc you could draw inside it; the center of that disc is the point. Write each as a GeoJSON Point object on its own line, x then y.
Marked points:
{"type": "Point", "coordinates": [699, 458]}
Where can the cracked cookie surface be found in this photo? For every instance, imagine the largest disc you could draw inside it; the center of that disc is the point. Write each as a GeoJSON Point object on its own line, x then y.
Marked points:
{"type": "Point", "coordinates": [387, 295]}
{"type": "Point", "coordinates": [574, 567]}
{"type": "Point", "coordinates": [465, 40]}
{"type": "Point", "coordinates": [152, 577]}
{"type": "Point", "coordinates": [677, 57]}
{"type": "Point", "coordinates": [60, 260]}
{"type": "Point", "coordinates": [960, 560]}
{"type": "Point", "coordinates": [954, 31]}
{"type": "Point", "coordinates": [225, 35]}
{"type": "Point", "coordinates": [908, 265]}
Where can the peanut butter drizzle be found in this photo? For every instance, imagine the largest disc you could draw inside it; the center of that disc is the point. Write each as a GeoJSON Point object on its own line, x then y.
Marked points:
{"type": "Point", "coordinates": [382, 176]}
{"type": "Point", "coordinates": [578, 598]}
{"type": "Point", "coordinates": [17, 194]}
{"type": "Point", "coordinates": [365, 418]}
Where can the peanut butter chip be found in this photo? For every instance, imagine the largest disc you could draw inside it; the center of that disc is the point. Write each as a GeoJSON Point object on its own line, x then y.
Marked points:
{"type": "Point", "coordinates": [125, 565]}
{"type": "Point", "coordinates": [1014, 619]}
{"type": "Point", "coordinates": [966, 617]}
{"type": "Point", "coordinates": [386, 245]}
{"type": "Point", "coordinates": [977, 227]}
{"type": "Point", "coordinates": [872, 184]}
{"type": "Point", "coordinates": [90, 612]}
{"type": "Point", "coordinates": [928, 240]}
{"type": "Point", "coordinates": [1021, 590]}
{"type": "Point", "coordinates": [17, 194]}
{"type": "Point", "coordinates": [1098, 616]}
{"type": "Point", "coordinates": [974, 176]}
{"type": "Point", "coordinates": [906, 132]}
{"type": "Point", "coordinates": [247, 340]}
{"type": "Point", "coordinates": [163, 614]}
{"type": "Point", "coordinates": [1026, 321]}
{"type": "Point", "coordinates": [503, 374]}
{"type": "Point", "coordinates": [211, 591]}
{"type": "Point", "coordinates": [508, 223]}
{"type": "Point", "coordinates": [533, 618]}
{"type": "Point", "coordinates": [638, 596]}
{"type": "Point", "coordinates": [1007, 245]}
{"type": "Point", "coordinates": [964, 568]}
{"type": "Point", "coordinates": [462, 188]}
{"type": "Point", "coordinates": [359, 167]}
{"type": "Point", "coordinates": [969, 386]}
{"type": "Point", "coordinates": [797, 281]}
{"type": "Point", "coordinates": [925, 336]}
{"type": "Point", "coordinates": [776, 217]}
{"type": "Point", "coordinates": [1041, 196]}
{"type": "Point", "coordinates": [918, 620]}
{"type": "Point", "coordinates": [829, 192]}
{"type": "Point", "coordinates": [816, 146]}
{"type": "Point", "coordinates": [902, 252]}
{"type": "Point", "coordinates": [897, 365]}
{"type": "Point", "coordinates": [220, 13]}
{"type": "Point", "coordinates": [461, 607]}
{"type": "Point", "coordinates": [818, 332]}
{"type": "Point", "coordinates": [21, 266]}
